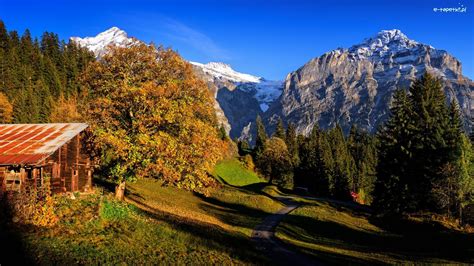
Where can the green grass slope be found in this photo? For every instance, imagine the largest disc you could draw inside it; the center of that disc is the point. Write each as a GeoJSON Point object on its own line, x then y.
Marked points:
{"type": "Point", "coordinates": [232, 209]}
{"type": "Point", "coordinates": [232, 172]}
{"type": "Point", "coordinates": [342, 234]}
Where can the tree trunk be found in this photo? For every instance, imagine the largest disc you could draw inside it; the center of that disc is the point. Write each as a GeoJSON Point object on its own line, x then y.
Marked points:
{"type": "Point", "coordinates": [120, 190]}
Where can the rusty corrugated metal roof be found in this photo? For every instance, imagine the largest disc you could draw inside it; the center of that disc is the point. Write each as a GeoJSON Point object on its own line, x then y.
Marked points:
{"type": "Point", "coordinates": [32, 143]}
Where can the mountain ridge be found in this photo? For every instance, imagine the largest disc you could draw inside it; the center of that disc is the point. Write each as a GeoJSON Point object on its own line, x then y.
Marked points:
{"type": "Point", "coordinates": [346, 85]}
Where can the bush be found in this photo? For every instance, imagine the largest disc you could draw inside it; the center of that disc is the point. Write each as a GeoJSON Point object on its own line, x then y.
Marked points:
{"type": "Point", "coordinates": [30, 206]}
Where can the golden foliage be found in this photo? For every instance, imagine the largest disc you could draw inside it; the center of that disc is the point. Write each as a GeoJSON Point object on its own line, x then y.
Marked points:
{"type": "Point", "coordinates": [6, 109]}
{"type": "Point", "coordinates": [65, 111]}
{"type": "Point", "coordinates": [151, 116]}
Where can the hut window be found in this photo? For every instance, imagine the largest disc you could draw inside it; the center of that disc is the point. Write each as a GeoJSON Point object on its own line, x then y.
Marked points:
{"type": "Point", "coordinates": [13, 181]}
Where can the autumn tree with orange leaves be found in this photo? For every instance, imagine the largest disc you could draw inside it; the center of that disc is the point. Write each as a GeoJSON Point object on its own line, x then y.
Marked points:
{"type": "Point", "coordinates": [152, 117]}
{"type": "Point", "coordinates": [6, 110]}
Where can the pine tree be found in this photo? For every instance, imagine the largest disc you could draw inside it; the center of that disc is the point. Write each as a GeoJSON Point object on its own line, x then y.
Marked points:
{"type": "Point", "coordinates": [454, 130]}
{"type": "Point", "coordinates": [430, 148]}
{"type": "Point", "coordinates": [455, 187]}
{"type": "Point", "coordinates": [305, 172]}
{"type": "Point", "coordinates": [292, 143]}
{"type": "Point", "coordinates": [243, 147]}
{"type": "Point", "coordinates": [343, 181]}
{"type": "Point", "coordinates": [33, 76]}
{"type": "Point", "coordinates": [363, 150]}
{"type": "Point", "coordinates": [4, 38]}
{"type": "Point", "coordinates": [261, 137]}
{"type": "Point", "coordinates": [421, 138]}
{"type": "Point", "coordinates": [471, 136]}
{"type": "Point", "coordinates": [280, 130]}
{"type": "Point", "coordinates": [465, 188]}
{"type": "Point", "coordinates": [393, 169]}
{"type": "Point", "coordinates": [223, 133]}
{"type": "Point", "coordinates": [315, 170]}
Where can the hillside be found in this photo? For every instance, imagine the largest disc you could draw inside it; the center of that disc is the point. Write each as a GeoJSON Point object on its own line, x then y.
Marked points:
{"type": "Point", "coordinates": [172, 226]}
{"type": "Point", "coordinates": [156, 223]}
{"type": "Point", "coordinates": [160, 224]}
{"type": "Point", "coordinates": [339, 233]}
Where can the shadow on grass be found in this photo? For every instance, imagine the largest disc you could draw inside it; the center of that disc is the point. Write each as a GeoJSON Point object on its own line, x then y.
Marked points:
{"type": "Point", "coordinates": [12, 246]}
{"type": "Point", "coordinates": [107, 185]}
{"type": "Point", "coordinates": [411, 242]}
{"type": "Point", "coordinates": [232, 213]}
{"type": "Point", "coordinates": [235, 244]}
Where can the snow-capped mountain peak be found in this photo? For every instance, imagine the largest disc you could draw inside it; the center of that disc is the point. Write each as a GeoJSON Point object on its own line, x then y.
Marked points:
{"type": "Point", "coordinates": [99, 43]}
{"type": "Point", "coordinates": [219, 65]}
{"type": "Point", "coordinates": [387, 36]}
{"type": "Point", "coordinates": [264, 91]}
{"type": "Point", "coordinates": [224, 71]}
{"type": "Point", "coordinates": [383, 42]}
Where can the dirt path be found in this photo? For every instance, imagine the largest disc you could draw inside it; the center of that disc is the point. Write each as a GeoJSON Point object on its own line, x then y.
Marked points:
{"type": "Point", "coordinates": [264, 237]}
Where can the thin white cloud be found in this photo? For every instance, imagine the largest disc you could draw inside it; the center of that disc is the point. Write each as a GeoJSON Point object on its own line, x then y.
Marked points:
{"type": "Point", "coordinates": [195, 39]}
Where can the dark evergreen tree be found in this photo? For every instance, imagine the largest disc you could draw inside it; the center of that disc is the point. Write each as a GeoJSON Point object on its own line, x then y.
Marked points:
{"type": "Point", "coordinates": [430, 151]}
{"type": "Point", "coordinates": [316, 163]}
{"type": "Point", "coordinates": [4, 38]}
{"type": "Point", "coordinates": [364, 152]}
{"type": "Point", "coordinates": [280, 130]}
{"type": "Point", "coordinates": [393, 168]}
{"type": "Point", "coordinates": [471, 136]}
{"type": "Point", "coordinates": [261, 137]}
{"type": "Point", "coordinates": [421, 138]}
{"type": "Point", "coordinates": [291, 140]}
{"type": "Point", "coordinates": [342, 174]}
{"type": "Point", "coordinates": [243, 147]}
{"type": "Point", "coordinates": [34, 76]}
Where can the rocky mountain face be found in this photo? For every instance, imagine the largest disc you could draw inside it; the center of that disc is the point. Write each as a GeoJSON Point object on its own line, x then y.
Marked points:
{"type": "Point", "coordinates": [345, 86]}
{"type": "Point", "coordinates": [355, 85]}
{"type": "Point", "coordinates": [240, 97]}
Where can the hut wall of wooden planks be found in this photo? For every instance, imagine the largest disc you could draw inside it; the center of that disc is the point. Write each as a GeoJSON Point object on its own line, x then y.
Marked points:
{"type": "Point", "coordinates": [30, 154]}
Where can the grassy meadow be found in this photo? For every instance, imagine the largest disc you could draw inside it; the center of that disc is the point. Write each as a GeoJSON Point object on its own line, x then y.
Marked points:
{"type": "Point", "coordinates": [232, 172]}
{"type": "Point", "coordinates": [162, 224]}
{"type": "Point", "coordinates": [157, 223]}
{"type": "Point", "coordinates": [338, 233]}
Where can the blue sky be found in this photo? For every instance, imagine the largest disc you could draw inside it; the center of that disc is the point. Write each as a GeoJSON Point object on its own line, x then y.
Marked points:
{"type": "Point", "coordinates": [264, 38]}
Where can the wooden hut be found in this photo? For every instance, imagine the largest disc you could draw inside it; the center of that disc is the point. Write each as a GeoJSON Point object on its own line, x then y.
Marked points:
{"type": "Point", "coordinates": [33, 153]}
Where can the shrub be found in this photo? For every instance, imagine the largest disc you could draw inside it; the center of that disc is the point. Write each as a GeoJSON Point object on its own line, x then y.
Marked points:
{"type": "Point", "coordinates": [31, 206]}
